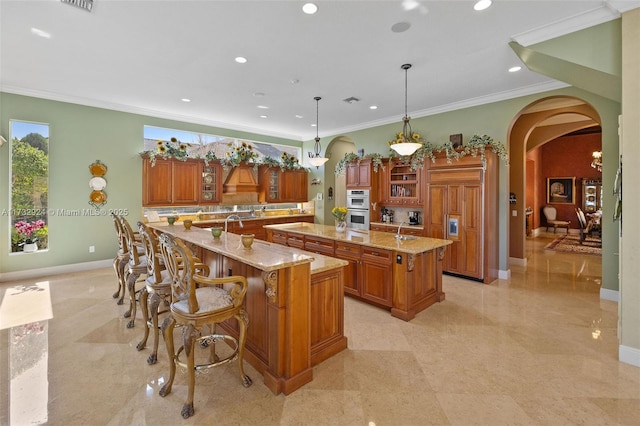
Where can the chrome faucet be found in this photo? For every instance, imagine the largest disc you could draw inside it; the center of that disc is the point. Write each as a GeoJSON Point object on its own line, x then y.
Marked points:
{"type": "Point", "coordinates": [226, 222]}
{"type": "Point", "coordinates": [399, 237]}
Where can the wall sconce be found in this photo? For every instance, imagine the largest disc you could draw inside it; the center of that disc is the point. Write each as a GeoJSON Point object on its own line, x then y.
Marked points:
{"type": "Point", "coordinates": [596, 163]}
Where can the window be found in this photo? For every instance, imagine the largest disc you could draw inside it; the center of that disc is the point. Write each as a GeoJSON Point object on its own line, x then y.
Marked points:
{"type": "Point", "coordinates": [29, 162]}
{"type": "Point", "coordinates": [198, 145]}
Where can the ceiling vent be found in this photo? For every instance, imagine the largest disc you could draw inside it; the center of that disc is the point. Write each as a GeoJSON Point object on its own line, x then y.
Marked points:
{"type": "Point", "coordinates": [351, 100]}
{"type": "Point", "coordinates": [82, 4]}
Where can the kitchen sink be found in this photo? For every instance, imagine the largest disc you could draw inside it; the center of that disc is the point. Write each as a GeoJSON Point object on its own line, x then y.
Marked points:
{"type": "Point", "coordinates": [406, 237]}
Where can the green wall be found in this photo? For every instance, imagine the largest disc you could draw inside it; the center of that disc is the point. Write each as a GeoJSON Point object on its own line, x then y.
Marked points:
{"type": "Point", "coordinates": [79, 135]}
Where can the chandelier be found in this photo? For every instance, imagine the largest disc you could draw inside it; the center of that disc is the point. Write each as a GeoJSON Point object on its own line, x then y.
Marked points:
{"type": "Point", "coordinates": [596, 163]}
{"type": "Point", "coordinates": [315, 159]}
{"type": "Point", "coordinates": [406, 146]}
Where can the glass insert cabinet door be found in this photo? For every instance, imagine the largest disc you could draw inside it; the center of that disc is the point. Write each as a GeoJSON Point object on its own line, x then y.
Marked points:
{"type": "Point", "coordinates": [29, 147]}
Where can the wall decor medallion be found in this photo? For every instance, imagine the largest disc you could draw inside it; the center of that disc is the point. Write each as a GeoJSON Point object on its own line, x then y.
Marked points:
{"type": "Point", "coordinates": [97, 197]}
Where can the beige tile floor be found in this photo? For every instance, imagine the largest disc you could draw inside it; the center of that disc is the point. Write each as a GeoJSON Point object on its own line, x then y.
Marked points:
{"type": "Point", "coordinates": [540, 348]}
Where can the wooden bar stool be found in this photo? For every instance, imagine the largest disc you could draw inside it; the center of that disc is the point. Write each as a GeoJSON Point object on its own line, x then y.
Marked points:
{"type": "Point", "coordinates": [121, 260]}
{"type": "Point", "coordinates": [199, 302]}
{"type": "Point", "coordinates": [137, 266]}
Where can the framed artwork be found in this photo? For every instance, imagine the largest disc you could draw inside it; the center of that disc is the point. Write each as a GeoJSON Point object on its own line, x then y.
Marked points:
{"type": "Point", "coordinates": [561, 190]}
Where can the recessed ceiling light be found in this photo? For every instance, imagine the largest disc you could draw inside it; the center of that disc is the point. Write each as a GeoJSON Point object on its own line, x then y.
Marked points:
{"type": "Point", "coordinates": [400, 27]}
{"type": "Point", "coordinates": [310, 8]}
{"type": "Point", "coordinates": [241, 60]}
{"type": "Point", "coordinates": [264, 116]}
{"type": "Point", "coordinates": [482, 5]}
{"type": "Point", "coordinates": [313, 125]}
{"type": "Point", "coordinates": [185, 100]}
{"type": "Point", "coordinates": [373, 107]}
{"type": "Point", "coordinates": [40, 33]}
{"type": "Point", "coordinates": [299, 116]}
{"type": "Point", "coordinates": [515, 69]}
{"type": "Point", "coordinates": [263, 107]}
{"type": "Point", "coordinates": [258, 94]}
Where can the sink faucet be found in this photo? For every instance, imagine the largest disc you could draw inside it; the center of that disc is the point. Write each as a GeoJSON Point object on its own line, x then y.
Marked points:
{"type": "Point", "coordinates": [398, 237]}
{"type": "Point", "coordinates": [226, 222]}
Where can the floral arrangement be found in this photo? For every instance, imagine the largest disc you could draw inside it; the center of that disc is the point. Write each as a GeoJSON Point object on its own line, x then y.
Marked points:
{"type": "Point", "coordinates": [339, 213]}
{"type": "Point", "coordinates": [238, 154]}
{"type": "Point", "coordinates": [26, 231]}
{"type": "Point", "coordinates": [171, 149]}
{"type": "Point", "coordinates": [414, 137]}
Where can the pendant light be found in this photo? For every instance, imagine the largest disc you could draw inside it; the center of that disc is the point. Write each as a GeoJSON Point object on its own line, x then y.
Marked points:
{"type": "Point", "coordinates": [407, 146]}
{"type": "Point", "coordinates": [314, 157]}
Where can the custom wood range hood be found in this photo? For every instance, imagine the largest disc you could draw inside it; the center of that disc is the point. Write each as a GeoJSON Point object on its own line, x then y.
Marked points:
{"type": "Point", "coordinates": [240, 186]}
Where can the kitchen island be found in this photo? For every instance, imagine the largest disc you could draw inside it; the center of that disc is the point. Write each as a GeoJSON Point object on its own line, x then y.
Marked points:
{"type": "Point", "coordinates": [294, 303]}
{"type": "Point", "coordinates": [402, 275]}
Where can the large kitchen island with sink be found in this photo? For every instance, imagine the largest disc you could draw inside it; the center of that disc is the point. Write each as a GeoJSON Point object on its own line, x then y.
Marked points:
{"type": "Point", "coordinates": [397, 272]}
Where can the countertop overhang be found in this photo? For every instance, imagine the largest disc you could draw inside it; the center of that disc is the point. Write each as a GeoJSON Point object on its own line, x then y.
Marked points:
{"type": "Point", "coordinates": [383, 240]}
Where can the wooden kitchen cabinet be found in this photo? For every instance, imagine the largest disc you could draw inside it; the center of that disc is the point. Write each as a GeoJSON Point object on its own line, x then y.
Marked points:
{"type": "Point", "coordinates": [211, 176]}
{"type": "Point", "coordinates": [375, 275]}
{"type": "Point", "coordinates": [278, 186]}
{"type": "Point", "coordinates": [462, 207]}
{"type": "Point", "coordinates": [359, 174]}
{"type": "Point", "coordinates": [350, 253]}
{"type": "Point", "coordinates": [319, 245]}
{"type": "Point", "coordinates": [171, 182]}
{"type": "Point", "coordinates": [403, 186]}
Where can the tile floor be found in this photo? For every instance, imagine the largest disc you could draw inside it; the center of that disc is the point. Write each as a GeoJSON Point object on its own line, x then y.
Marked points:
{"type": "Point", "coordinates": [540, 348]}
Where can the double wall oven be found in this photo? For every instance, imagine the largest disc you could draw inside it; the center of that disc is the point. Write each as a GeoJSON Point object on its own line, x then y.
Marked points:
{"type": "Point", "coordinates": [358, 208]}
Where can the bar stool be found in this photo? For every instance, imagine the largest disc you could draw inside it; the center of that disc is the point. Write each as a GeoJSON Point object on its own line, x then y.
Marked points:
{"type": "Point", "coordinates": [137, 266]}
{"type": "Point", "coordinates": [157, 289]}
{"type": "Point", "coordinates": [198, 301]}
{"type": "Point", "coordinates": [121, 260]}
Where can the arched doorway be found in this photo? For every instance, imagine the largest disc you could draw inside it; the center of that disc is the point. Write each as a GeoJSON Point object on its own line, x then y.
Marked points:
{"type": "Point", "coordinates": [336, 149]}
{"type": "Point", "coordinates": [538, 123]}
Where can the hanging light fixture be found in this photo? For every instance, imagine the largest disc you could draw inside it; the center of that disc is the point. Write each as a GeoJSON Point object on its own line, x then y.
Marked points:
{"type": "Point", "coordinates": [407, 146]}
{"type": "Point", "coordinates": [314, 157]}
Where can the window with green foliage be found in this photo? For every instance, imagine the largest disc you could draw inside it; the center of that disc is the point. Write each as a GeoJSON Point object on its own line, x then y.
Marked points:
{"type": "Point", "coordinates": [29, 144]}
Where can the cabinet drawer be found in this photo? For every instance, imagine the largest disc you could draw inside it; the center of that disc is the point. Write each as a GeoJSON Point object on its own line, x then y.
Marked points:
{"type": "Point", "coordinates": [350, 251]}
{"type": "Point", "coordinates": [296, 241]}
{"type": "Point", "coordinates": [319, 245]}
{"type": "Point", "coordinates": [279, 237]}
{"type": "Point", "coordinates": [376, 255]}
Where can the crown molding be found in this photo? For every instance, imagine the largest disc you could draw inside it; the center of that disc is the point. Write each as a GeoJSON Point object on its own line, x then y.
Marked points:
{"type": "Point", "coordinates": [590, 18]}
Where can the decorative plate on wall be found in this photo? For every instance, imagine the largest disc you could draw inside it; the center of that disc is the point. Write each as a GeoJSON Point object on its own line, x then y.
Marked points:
{"type": "Point", "coordinates": [98, 197]}
{"type": "Point", "coordinates": [97, 183]}
{"type": "Point", "coordinates": [98, 169]}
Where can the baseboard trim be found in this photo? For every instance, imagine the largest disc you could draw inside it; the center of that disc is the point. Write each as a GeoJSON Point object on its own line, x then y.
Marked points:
{"type": "Point", "coordinates": [504, 275]}
{"type": "Point", "coordinates": [613, 295]}
{"type": "Point", "coordinates": [517, 261]}
{"type": "Point", "coordinates": [54, 270]}
{"type": "Point", "coordinates": [629, 355]}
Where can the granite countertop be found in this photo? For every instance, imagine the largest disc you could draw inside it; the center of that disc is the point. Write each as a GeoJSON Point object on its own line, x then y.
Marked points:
{"type": "Point", "coordinates": [246, 217]}
{"type": "Point", "coordinates": [262, 255]}
{"type": "Point", "coordinates": [383, 240]}
{"type": "Point", "coordinates": [396, 224]}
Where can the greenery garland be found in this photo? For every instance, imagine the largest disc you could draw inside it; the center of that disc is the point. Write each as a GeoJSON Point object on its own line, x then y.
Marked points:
{"type": "Point", "coordinates": [476, 146]}
{"type": "Point", "coordinates": [350, 157]}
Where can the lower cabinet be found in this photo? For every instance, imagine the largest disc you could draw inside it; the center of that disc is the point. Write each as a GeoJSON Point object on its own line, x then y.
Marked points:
{"type": "Point", "coordinates": [350, 253]}
{"type": "Point", "coordinates": [375, 275]}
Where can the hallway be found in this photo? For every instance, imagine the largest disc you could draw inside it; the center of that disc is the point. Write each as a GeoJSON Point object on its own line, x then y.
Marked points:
{"type": "Point", "coordinates": [540, 348]}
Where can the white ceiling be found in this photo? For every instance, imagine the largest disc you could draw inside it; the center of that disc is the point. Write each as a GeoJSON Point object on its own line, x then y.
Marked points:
{"type": "Point", "coordinates": [144, 56]}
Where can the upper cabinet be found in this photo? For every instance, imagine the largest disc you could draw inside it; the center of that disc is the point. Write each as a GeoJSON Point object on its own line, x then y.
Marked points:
{"type": "Point", "coordinates": [278, 186]}
{"type": "Point", "coordinates": [402, 185]}
{"type": "Point", "coordinates": [359, 174]}
{"type": "Point", "coordinates": [181, 183]}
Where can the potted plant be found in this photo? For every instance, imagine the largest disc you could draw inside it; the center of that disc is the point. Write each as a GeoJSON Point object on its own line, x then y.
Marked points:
{"type": "Point", "coordinates": [27, 234]}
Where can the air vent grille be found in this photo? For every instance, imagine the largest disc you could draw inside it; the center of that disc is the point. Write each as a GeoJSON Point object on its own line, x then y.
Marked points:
{"type": "Point", "coordinates": [351, 100]}
{"type": "Point", "coordinates": [82, 4]}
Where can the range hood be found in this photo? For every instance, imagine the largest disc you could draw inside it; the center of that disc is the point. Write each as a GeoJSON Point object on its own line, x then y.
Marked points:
{"type": "Point", "coordinates": [241, 180]}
